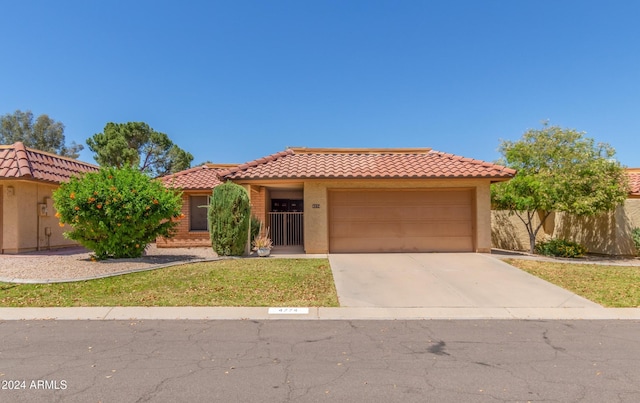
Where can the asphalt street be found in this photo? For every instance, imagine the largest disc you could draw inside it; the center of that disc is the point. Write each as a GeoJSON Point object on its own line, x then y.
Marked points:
{"type": "Point", "coordinates": [312, 361]}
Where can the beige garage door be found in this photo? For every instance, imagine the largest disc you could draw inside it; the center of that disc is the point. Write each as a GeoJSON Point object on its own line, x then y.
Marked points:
{"type": "Point", "coordinates": [401, 220]}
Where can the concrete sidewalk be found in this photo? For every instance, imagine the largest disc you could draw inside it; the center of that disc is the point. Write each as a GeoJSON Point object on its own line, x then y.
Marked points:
{"type": "Point", "coordinates": [354, 313]}
{"type": "Point", "coordinates": [392, 286]}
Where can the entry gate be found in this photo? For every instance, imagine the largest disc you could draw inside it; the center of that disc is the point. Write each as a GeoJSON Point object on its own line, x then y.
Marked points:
{"type": "Point", "coordinates": [286, 228]}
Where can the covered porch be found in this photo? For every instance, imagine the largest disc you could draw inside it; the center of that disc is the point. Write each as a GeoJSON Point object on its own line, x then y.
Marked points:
{"type": "Point", "coordinates": [280, 207]}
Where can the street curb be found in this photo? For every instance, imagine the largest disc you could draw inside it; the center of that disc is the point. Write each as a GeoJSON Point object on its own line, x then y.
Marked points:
{"type": "Point", "coordinates": [317, 313]}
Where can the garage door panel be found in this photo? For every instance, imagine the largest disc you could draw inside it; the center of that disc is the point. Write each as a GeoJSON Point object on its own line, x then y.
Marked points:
{"type": "Point", "coordinates": [409, 213]}
{"type": "Point", "coordinates": [409, 197]}
{"type": "Point", "coordinates": [372, 230]}
{"type": "Point", "coordinates": [394, 244]}
{"type": "Point", "coordinates": [400, 220]}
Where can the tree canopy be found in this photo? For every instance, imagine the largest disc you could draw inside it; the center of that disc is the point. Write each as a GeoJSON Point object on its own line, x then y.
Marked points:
{"type": "Point", "coordinates": [135, 144]}
{"type": "Point", "coordinates": [44, 134]}
{"type": "Point", "coordinates": [558, 170]}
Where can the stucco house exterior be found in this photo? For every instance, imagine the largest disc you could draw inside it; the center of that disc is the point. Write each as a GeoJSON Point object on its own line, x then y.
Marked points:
{"type": "Point", "coordinates": [358, 200]}
{"type": "Point", "coordinates": [607, 234]}
{"type": "Point", "coordinates": [28, 178]}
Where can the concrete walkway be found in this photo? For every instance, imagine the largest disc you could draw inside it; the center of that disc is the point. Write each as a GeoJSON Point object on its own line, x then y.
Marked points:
{"type": "Point", "coordinates": [388, 287]}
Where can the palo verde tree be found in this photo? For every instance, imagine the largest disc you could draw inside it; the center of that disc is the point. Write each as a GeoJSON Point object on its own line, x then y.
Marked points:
{"type": "Point", "coordinates": [135, 144]}
{"type": "Point", "coordinates": [558, 170]}
{"type": "Point", "coordinates": [43, 133]}
{"type": "Point", "coordinates": [116, 213]}
{"type": "Point", "coordinates": [229, 216]}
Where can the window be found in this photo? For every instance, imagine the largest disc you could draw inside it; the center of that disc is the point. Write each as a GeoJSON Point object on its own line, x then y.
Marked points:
{"type": "Point", "coordinates": [286, 205]}
{"type": "Point", "coordinates": [198, 208]}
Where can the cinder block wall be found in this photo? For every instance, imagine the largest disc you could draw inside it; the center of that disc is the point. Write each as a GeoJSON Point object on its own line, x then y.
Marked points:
{"type": "Point", "coordinates": [606, 234]}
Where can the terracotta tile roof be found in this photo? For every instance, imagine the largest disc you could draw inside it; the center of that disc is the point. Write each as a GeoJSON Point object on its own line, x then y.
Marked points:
{"type": "Point", "coordinates": [305, 163]}
{"type": "Point", "coordinates": [634, 181]}
{"type": "Point", "coordinates": [20, 162]}
{"type": "Point", "coordinates": [198, 178]}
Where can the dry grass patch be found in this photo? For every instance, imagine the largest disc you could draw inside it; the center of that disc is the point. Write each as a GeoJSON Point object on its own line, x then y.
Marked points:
{"type": "Point", "coordinates": [610, 286]}
{"type": "Point", "coordinates": [233, 282]}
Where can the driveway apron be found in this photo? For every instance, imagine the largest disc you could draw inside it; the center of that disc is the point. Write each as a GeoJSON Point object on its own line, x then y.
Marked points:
{"type": "Point", "coordinates": [442, 280]}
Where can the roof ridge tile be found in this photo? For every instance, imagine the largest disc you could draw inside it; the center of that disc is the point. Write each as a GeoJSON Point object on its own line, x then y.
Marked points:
{"type": "Point", "coordinates": [22, 158]}
{"type": "Point", "coordinates": [309, 164]}
{"type": "Point", "coordinates": [254, 163]}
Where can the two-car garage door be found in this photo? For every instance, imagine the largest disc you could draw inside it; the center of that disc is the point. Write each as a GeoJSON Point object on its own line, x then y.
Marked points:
{"type": "Point", "coordinates": [401, 220]}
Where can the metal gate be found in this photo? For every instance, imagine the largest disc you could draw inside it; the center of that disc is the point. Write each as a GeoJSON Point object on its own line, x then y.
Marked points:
{"type": "Point", "coordinates": [286, 228]}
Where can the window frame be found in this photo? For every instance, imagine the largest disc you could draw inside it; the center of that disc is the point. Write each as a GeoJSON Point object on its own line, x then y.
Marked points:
{"type": "Point", "coordinates": [192, 206]}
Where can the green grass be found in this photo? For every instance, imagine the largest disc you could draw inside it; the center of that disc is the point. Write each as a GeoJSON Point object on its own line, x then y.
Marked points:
{"type": "Point", "coordinates": [610, 286]}
{"type": "Point", "coordinates": [234, 282]}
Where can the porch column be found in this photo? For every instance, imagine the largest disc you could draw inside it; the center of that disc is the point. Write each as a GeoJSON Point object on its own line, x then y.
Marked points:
{"type": "Point", "coordinates": [483, 218]}
{"type": "Point", "coordinates": [316, 218]}
{"type": "Point", "coordinates": [257, 195]}
{"type": "Point", "coordinates": [256, 200]}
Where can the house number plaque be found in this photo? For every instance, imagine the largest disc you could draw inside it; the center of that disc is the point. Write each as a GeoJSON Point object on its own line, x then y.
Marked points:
{"type": "Point", "coordinates": [315, 206]}
{"type": "Point", "coordinates": [288, 311]}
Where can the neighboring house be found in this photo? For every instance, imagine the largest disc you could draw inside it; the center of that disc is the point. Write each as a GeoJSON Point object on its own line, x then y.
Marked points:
{"type": "Point", "coordinates": [359, 200]}
{"type": "Point", "coordinates": [27, 180]}
{"type": "Point", "coordinates": [607, 234]}
{"type": "Point", "coordinates": [634, 184]}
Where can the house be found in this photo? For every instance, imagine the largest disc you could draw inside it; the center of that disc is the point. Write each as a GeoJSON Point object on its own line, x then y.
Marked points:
{"type": "Point", "coordinates": [196, 185]}
{"type": "Point", "coordinates": [634, 183]}
{"type": "Point", "coordinates": [606, 234]}
{"type": "Point", "coordinates": [27, 180]}
{"type": "Point", "coordinates": [357, 200]}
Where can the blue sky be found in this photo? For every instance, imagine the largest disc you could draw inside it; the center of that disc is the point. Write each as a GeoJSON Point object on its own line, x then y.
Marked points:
{"type": "Point", "coordinates": [232, 81]}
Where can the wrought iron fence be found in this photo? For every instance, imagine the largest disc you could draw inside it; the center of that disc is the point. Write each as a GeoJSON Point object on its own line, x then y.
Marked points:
{"type": "Point", "coordinates": [286, 228]}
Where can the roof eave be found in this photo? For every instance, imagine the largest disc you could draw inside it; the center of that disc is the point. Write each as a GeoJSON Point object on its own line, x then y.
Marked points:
{"type": "Point", "coordinates": [351, 177]}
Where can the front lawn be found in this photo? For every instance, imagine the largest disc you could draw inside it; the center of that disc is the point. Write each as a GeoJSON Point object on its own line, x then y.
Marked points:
{"type": "Point", "coordinates": [234, 282]}
{"type": "Point", "coordinates": [610, 286]}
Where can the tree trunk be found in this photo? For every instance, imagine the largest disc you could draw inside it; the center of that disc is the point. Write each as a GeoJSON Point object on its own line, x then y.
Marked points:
{"type": "Point", "coordinates": [533, 232]}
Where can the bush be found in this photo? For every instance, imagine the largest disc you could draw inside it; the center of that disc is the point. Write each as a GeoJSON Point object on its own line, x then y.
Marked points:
{"type": "Point", "coordinates": [635, 234]}
{"type": "Point", "coordinates": [229, 212]}
{"type": "Point", "coordinates": [256, 225]}
{"type": "Point", "coordinates": [116, 213]}
{"type": "Point", "coordinates": [560, 248]}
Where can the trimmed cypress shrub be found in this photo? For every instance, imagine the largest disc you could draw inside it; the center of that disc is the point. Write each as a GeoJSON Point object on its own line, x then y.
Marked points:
{"type": "Point", "coordinates": [635, 234]}
{"type": "Point", "coordinates": [256, 225]}
{"type": "Point", "coordinates": [229, 214]}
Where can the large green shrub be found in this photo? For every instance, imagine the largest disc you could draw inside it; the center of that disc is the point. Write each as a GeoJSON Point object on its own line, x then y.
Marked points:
{"type": "Point", "coordinates": [229, 214]}
{"type": "Point", "coordinates": [560, 248]}
{"type": "Point", "coordinates": [116, 213]}
{"type": "Point", "coordinates": [635, 234]}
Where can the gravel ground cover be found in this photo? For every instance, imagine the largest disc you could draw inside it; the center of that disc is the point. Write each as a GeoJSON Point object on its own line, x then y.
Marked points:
{"type": "Point", "coordinates": [76, 263]}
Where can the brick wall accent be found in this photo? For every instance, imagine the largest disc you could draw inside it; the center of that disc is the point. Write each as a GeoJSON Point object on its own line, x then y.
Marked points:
{"type": "Point", "coordinates": [185, 238]}
{"type": "Point", "coordinates": [258, 202]}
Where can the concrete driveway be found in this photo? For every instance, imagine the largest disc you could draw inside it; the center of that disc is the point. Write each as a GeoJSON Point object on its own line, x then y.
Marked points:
{"type": "Point", "coordinates": [448, 280]}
